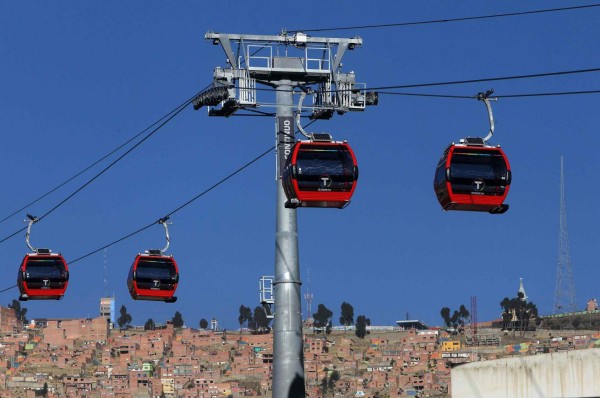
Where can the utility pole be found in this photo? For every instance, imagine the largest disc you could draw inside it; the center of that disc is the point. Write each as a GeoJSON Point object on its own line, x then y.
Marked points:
{"type": "Point", "coordinates": [285, 62]}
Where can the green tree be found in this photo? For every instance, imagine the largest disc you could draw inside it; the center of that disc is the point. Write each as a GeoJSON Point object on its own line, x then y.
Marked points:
{"type": "Point", "coordinates": [252, 325]}
{"type": "Point", "coordinates": [324, 385]}
{"type": "Point", "coordinates": [150, 325]}
{"type": "Point", "coordinates": [203, 323]}
{"type": "Point", "coordinates": [463, 313]}
{"type": "Point", "coordinates": [361, 326]}
{"type": "Point", "coordinates": [43, 392]}
{"type": "Point", "coordinates": [20, 312]}
{"type": "Point", "coordinates": [245, 316]}
{"type": "Point", "coordinates": [260, 321]}
{"type": "Point", "coordinates": [518, 313]}
{"type": "Point", "coordinates": [177, 320]}
{"type": "Point", "coordinates": [457, 320]}
{"type": "Point", "coordinates": [322, 318]}
{"type": "Point", "coordinates": [333, 378]}
{"type": "Point", "coordinates": [445, 313]}
{"type": "Point", "coordinates": [506, 320]}
{"type": "Point", "coordinates": [125, 318]}
{"type": "Point", "coordinates": [347, 317]}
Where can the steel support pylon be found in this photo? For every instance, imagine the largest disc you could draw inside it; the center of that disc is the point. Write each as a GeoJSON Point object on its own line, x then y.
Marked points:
{"type": "Point", "coordinates": [288, 357]}
{"type": "Point", "coordinates": [285, 61]}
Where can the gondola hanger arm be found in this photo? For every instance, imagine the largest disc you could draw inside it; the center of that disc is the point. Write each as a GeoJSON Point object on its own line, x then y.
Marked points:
{"type": "Point", "coordinates": [163, 222]}
{"type": "Point", "coordinates": [485, 97]}
{"type": "Point", "coordinates": [32, 220]}
{"type": "Point", "coordinates": [299, 112]}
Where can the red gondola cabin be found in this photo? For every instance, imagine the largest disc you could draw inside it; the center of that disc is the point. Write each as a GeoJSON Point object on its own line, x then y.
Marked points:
{"type": "Point", "coordinates": [473, 177]}
{"type": "Point", "coordinates": [320, 174]}
{"type": "Point", "coordinates": [42, 276]}
{"type": "Point", "coordinates": [153, 276]}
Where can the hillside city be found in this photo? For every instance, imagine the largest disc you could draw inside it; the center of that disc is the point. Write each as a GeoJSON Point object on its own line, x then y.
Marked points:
{"type": "Point", "coordinates": [89, 357]}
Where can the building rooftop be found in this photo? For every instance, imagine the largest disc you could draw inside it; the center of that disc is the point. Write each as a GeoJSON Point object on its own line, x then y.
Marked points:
{"type": "Point", "coordinates": [411, 324]}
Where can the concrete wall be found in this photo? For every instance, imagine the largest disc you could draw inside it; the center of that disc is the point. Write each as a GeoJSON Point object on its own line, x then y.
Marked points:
{"type": "Point", "coordinates": [572, 374]}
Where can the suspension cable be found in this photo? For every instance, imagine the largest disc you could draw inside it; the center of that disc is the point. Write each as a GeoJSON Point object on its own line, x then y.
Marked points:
{"type": "Point", "coordinates": [168, 215]}
{"type": "Point", "coordinates": [446, 20]}
{"type": "Point", "coordinates": [150, 134]}
{"type": "Point", "coordinates": [95, 163]}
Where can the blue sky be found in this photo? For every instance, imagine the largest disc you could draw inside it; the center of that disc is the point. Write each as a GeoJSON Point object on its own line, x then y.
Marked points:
{"type": "Point", "coordinates": [77, 79]}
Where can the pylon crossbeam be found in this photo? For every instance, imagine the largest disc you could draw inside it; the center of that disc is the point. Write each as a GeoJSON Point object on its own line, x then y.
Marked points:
{"type": "Point", "coordinates": [305, 60]}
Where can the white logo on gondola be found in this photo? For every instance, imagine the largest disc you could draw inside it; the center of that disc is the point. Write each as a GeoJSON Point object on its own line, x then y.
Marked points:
{"type": "Point", "coordinates": [156, 284]}
{"type": "Point", "coordinates": [478, 185]}
{"type": "Point", "coordinates": [325, 182]}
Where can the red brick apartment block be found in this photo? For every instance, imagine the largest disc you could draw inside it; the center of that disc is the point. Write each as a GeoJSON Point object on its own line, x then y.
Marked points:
{"type": "Point", "coordinates": [8, 320]}
{"type": "Point", "coordinates": [318, 345]}
{"type": "Point", "coordinates": [62, 332]}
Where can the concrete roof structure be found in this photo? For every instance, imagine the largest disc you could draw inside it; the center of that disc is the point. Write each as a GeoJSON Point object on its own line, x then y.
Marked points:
{"type": "Point", "coordinates": [411, 324]}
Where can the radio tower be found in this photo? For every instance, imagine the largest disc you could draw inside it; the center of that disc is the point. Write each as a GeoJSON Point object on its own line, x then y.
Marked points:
{"type": "Point", "coordinates": [564, 295]}
{"type": "Point", "coordinates": [474, 320]}
{"type": "Point", "coordinates": [308, 297]}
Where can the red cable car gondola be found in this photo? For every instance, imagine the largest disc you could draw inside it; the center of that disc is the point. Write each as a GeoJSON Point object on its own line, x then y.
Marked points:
{"type": "Point", "coordinates": [43, 275]}
{"type": "Point", "coordinates": [154, 275]}
{"type": "Point", "coordinates": [473, 175]}
{"type": "Point", "coordinates": [320, 173]}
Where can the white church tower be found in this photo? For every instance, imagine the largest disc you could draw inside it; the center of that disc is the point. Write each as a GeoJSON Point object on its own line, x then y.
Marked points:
{"type": "Point", "coordinates": [522, 289]}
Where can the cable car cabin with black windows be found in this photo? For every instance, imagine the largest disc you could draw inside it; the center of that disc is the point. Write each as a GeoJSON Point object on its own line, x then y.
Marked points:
{"type": "Point", "coordinates": [320, 174]}
{"type": "Point", "coordinates": [473, 177]}
{"type": "Point", "coordinates": [153, 276]}
{"type": "Point", "coordinates": [42, 276]}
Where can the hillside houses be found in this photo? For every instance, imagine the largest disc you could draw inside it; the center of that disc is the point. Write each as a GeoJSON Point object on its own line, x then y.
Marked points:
{"type": "Point", "coordinates": [86, 358]}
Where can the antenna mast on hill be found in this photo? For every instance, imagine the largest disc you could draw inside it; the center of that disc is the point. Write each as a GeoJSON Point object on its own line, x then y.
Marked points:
{"type": "Point", "coordinates": [474, 319]}
{"type": "Point", "coordinates": [564, 295]}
